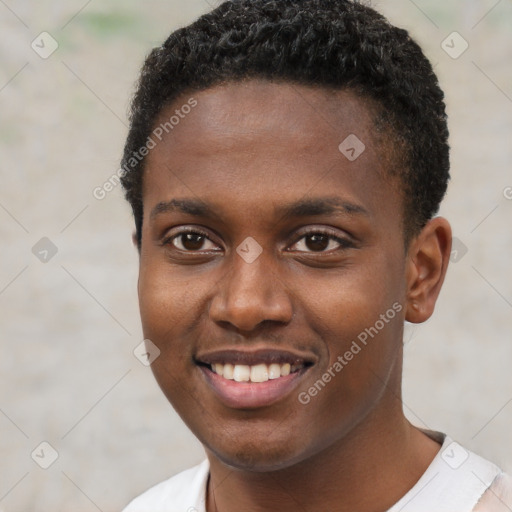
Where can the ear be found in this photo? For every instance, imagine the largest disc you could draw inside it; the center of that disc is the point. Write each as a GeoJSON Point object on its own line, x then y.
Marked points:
{"type": "Point", "coordinates": [134, 241]}
{"type": "Point", "coordinates": [427, 262]}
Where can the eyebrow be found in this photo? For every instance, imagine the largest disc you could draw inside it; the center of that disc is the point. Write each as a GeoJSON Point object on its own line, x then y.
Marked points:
{"type": "Point", "coordinates": [320, 206]}
{"type": "Point", "coordinates": [301, 208]}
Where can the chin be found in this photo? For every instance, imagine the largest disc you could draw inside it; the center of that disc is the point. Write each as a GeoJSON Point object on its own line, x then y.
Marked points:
{"type": "Point", "coordinates": [259, 457]}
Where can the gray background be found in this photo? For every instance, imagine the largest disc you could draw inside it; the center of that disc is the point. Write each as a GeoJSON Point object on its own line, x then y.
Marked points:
{"type": "Point", "coordinates": [69, 325]}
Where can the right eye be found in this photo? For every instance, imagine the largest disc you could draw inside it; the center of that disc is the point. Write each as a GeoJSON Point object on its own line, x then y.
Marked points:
{"type": "Point", "coordinates": [189, 240]}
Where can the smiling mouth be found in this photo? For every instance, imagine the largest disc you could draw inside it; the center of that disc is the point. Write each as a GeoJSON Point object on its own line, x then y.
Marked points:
{"type": "Point", "coordinates": [251, 379]}
{"type": "Point", "coordinates": [255, 373]}
{"type": "Point", "coordinates": [254, 366]}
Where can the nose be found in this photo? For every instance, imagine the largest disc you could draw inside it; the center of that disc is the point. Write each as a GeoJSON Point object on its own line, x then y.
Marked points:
{"type": "Point", "coordinates": [250, 294]}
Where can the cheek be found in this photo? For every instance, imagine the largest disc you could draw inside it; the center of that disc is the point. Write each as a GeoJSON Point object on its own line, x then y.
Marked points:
{"type": "Point", "coordinates": [344, 304]}
{"type": "Point", "coordinates": [167, 301]}
{"type": "Point", "coordinates": [359, 315]}
{"type": "Point", "coordinates": [172, 307]}
{"type": "Point", "coordinates": [165, 314]}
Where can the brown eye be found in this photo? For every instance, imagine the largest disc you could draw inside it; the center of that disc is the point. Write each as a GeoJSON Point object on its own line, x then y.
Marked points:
{"type": "Point", "coordinates": [319, 241]}
{"type": "Point", "coordinates": [190, 241]}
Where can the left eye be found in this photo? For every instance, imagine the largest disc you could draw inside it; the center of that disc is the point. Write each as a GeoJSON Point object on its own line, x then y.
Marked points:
{"type": "Point", "coordinates": [321, 242]}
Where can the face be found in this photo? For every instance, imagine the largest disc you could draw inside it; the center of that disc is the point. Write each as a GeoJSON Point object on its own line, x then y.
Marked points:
{"type": "Point", "coordinates": [272, 270]}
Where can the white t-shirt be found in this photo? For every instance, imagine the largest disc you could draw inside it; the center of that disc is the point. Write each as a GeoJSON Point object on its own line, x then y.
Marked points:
{"type": "Point", "coordinates": [457, 480]}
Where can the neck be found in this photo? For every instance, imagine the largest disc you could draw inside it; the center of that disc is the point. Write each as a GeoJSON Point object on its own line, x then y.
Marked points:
{"type": "Point", "coordinates": [367, 470]}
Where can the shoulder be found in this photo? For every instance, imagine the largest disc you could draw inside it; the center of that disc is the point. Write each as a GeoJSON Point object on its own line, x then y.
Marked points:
{"type": "Point", "coordinates": [498, 498]}
{"type": "Point", "coordinates": [184, 491]}
{"type": "Point", "coordinates": [456, 480]}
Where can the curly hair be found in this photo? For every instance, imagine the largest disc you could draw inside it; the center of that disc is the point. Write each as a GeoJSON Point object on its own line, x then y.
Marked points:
{"type": "Point", "coordinates": [340, 44]}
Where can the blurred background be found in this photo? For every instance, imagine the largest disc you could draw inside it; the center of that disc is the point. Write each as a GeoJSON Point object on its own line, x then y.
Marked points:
{"type": "Point", "coordinates": [84, 426]}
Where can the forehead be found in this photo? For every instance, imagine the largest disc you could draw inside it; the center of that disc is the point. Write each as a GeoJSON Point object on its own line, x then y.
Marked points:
{"type": "Point", "coordinates": [260, 143]}
{"type": "Point", "coordinates": [236, 112]}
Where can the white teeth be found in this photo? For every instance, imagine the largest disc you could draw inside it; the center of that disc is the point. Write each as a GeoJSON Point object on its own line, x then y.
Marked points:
{"type": "Point", "coordinates": [242, 373]}
{"type": "Point", "coordinates": [256, 373]}
{"type": "Point", "coordinates": [285, 369]}
{"type": "Point", "coordinates": [227, 371]}
{"type": "Point", "coordinates": [259, 373]}
{"type": "Point", "coordinates": [274, 371]}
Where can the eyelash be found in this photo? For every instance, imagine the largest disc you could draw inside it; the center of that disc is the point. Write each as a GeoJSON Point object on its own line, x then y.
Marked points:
{"type": "Point", "coordinates": [343, 242]}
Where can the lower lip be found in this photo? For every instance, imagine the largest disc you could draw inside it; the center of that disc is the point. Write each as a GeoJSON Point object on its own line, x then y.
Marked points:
{"type": "Point", "coordinates": [251, 395]}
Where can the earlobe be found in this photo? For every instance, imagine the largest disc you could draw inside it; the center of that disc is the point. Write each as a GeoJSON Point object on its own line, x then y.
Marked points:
{"type": "Point", "coordinates": [428, 258]}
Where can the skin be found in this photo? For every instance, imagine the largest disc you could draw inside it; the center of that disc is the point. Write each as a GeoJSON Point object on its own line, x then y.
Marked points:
{"type": "Point", "coordinates": [246, 149]}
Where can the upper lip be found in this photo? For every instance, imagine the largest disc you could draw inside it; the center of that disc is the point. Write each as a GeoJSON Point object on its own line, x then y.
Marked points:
{"type": "Point", "coordinates": [253, 357]}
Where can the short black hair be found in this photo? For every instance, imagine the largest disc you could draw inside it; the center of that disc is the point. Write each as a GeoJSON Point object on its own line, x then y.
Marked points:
{"type": "Point", "coordinates": [340, 44]}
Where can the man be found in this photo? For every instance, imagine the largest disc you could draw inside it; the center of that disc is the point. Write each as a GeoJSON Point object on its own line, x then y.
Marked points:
{"type": "Point", "coordinates": [285, 163]}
